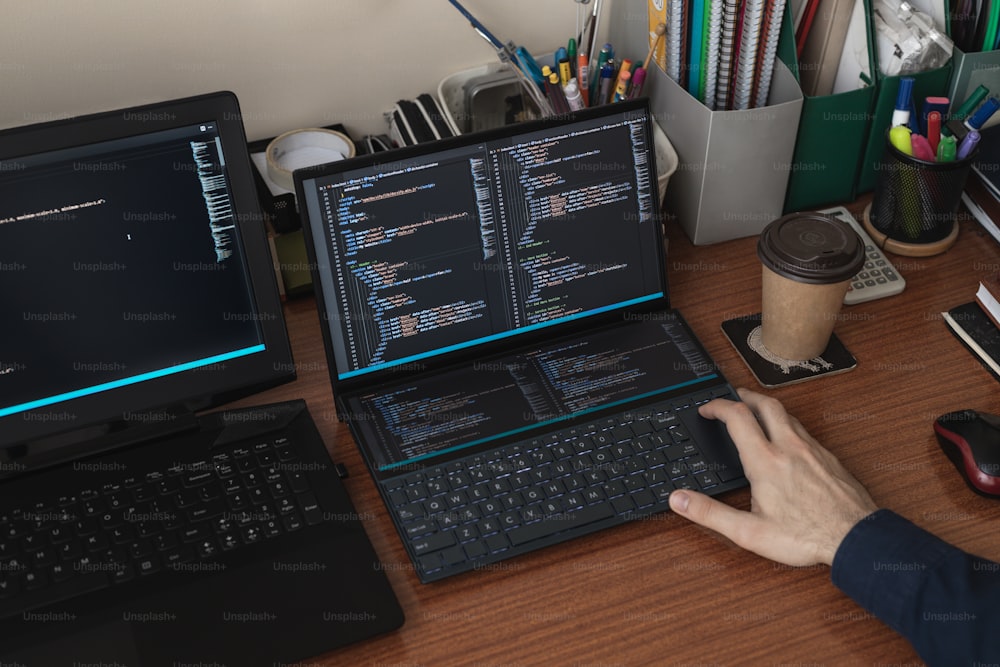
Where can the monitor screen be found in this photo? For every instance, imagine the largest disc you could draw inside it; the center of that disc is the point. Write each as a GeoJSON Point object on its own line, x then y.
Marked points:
{"type": "Point", "coordinates": [131, 248]}
{"type": "Point", "coordinates": [460, 243]}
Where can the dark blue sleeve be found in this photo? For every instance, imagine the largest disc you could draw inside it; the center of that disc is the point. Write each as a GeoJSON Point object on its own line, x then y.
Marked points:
{"type": "Point", "coordinates": [944, 601]}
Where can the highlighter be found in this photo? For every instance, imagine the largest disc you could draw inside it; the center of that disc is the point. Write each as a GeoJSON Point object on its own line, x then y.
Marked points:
{"type": "Point", "coordinates": [968, 144]}
{"type": "Point", "coordinates": [946, 150]}
{"type": "Point", "coordinates": [899, 137]}
{"type": "Point", "coordinates": [921, 148]}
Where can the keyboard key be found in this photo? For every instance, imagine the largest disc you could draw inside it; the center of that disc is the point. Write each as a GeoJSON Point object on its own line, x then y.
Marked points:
{"type": "Point", "coordinates": [554, 524]}
{"type": "Point", "coordinates": [643, 498]}
{"type": "Point", "coordinates": [436, 542]}
{"type": "Point", "coordinates": [474, 550]}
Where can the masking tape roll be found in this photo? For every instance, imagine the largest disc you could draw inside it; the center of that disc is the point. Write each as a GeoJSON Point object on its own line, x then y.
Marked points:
{"type": "Point", "coordinates": [304, 148]}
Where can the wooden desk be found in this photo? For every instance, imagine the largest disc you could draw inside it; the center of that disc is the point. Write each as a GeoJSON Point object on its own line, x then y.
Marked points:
{"type": "Point", "coordinates": [666, 592]}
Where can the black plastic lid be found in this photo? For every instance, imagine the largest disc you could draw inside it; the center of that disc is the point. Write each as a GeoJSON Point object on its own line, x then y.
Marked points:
{"type": "Point", "coordinates": [811, 248]}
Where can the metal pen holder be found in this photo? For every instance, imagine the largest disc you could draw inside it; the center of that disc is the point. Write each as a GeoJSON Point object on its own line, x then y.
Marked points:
{"type": "Point", "coordinates": [913, 209]}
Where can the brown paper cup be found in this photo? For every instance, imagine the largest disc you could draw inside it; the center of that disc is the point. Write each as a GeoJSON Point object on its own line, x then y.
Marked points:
{"type": "Point", "coordinates": [808, 261]}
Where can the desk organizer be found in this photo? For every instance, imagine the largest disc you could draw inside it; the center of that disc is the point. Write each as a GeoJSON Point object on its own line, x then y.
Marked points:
{"type": "Point", "coordinates": [734, 165]}
{"type": "Point", "coordinates": [451, 96]}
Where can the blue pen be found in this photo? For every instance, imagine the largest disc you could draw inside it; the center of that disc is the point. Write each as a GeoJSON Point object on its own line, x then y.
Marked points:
{"type": "Point", "coordinates": [982, 114]}
{"type": "Point", "coordinates": [604, 88]}
{"type": "Point", "coordinates": [968, 144]}
{"type": "Point", "coordinates": [904, 100]}
{"type": "Point", "coordinates": [560, 54]}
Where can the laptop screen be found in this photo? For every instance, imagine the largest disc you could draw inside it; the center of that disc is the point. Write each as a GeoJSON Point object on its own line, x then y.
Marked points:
{"type": "Point", "coordinates": [131, 251]}
{"type": "Point", "coordinates": [465, 242]}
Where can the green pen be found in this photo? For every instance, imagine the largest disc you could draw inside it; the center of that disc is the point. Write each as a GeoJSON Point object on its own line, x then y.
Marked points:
{"type": "Point", "coordinates": [571, 54]}
{"type": "Point", "coordinates": [946, 149]}
{"type": "Point", "coordinates": [968, 106]}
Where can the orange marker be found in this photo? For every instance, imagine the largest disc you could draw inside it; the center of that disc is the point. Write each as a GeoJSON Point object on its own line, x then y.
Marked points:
{"type": "Point", "coordinates": [583, 76]}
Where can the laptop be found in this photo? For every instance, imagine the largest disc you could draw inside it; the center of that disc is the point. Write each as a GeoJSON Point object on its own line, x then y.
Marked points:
{"type": "Point", "coordinates": [137, 526]}
{"type": "Point", "coordinates": [500, 339]}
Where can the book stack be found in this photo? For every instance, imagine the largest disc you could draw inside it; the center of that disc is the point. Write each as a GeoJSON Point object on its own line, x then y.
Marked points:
{"type": "Point", "coordinates": [977, 324]}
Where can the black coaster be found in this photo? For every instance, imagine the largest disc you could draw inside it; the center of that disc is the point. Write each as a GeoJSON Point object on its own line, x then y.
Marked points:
{"type": "Point", "coordinates": [772, 371]}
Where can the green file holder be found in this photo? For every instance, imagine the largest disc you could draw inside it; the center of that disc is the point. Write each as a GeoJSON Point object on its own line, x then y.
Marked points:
{"type": "Point", "coordinates": [970, 70]}
{"type": "Point", "coordinates": [831, 139]}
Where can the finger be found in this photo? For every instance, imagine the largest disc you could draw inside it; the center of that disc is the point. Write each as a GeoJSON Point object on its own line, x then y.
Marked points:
{"type": "Point", "coordinates": [741, 423]}
{"type": "Point", "coordinates": [774, 420]}
{"type": "Point", "coordinates": [723, 519]}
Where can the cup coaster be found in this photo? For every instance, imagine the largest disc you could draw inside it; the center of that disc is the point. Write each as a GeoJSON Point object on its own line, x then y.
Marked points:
{"type": "Point", "coordinates": [773, 371]}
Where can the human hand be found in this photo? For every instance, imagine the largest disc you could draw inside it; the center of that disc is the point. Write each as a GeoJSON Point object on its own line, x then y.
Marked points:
{"type": "Point", "coordinates": [803, 502]}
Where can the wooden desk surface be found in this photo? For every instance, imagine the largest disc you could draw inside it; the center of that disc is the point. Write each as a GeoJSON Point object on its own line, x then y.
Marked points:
{"type": "Point", "coordinates": [664, 591]}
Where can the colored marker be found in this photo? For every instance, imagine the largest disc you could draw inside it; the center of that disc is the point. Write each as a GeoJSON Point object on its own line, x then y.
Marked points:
{"type": "Point", "coordinates": [982, 114]}
{"type": "Point", "coordinates": [565, 74]}
{"type": "Point", "coordinates": [934, 129]}
{"type": "Point", "coordinates": [638, 79]}
{"type": "Point", "coordinates": [571, 54]}
{"type": "Point", "coordinates": [583, 77]}
{"type": "Point", "coordinates": [968, 144]}
{"type": "Point", "coordinates": [921, 148]}
{"type": "Point", "coordinates": [573, 96]}
{"type": "Point", "coordinates": [904, 94]}
{"type": "Point", "coordinates": [977, 96]}
{"type": "Point", "coordinates": [899, 137]}
{"type": "Point", "coordinates": [946, 150]}
{"type": "Point", "coordinates": [939, 104]}
{"type": "Point", "coordinates": [624, 68]}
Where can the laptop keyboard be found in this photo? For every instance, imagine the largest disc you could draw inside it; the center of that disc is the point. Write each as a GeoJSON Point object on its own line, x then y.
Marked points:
{"type": "Point", "coordinates": [179, 518]}
{"type": "Point", "coordinates": [496, 505]}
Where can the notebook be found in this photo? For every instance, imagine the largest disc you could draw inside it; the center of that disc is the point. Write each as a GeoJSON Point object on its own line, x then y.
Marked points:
{"type": "Point", "coordinates": [497, 324]}
{"type": "Point", "coordinates": [137, 526]}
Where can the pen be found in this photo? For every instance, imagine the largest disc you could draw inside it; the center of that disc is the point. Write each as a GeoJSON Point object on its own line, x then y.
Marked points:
{"type": "Point", "coordinates": [638, 79]}
{"type": "Point", "coordinates": [625, 68]}
{"type": "Point", "coordinates": [946, 150]}
{"type": "Point", "coordinates": [901, 112]}
{"type": "Point", "coordinates": [604, 89]}
{"type": "Point", "coordinates": [934, 129]}
{"type": "Point", "coordinates": [982, 114]}
{"type": "Point", "coordinates": [571, 54]}
{"type": "Point", "coordinates": [899, 136]}
{"type": "Point", "coordinates": [968, 144]}
{"type": "Point", "coordinates": [555, 93]}
{"type": "Point", "coordinates": [621, 88]}
{"type": "Point", "coordinates": [595, 71]}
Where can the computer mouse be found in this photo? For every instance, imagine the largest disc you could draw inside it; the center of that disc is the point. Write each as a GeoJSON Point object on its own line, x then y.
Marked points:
{"type": "Point", "coordinates": [971, 439]}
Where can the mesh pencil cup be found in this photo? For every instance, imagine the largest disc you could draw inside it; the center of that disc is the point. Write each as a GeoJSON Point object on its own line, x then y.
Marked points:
{"type": "Point", "coordinates": [913, 209]}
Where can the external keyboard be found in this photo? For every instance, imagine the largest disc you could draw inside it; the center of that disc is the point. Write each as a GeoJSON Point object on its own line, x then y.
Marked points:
{"type": "Point", "coordinates": [178, 518]}
{"type": "Point", "coordinates": [517, 498]}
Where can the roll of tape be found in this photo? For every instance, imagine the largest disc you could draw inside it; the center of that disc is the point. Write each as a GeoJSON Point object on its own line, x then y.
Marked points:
{"type": "Point", "coordinates": [304, 148]}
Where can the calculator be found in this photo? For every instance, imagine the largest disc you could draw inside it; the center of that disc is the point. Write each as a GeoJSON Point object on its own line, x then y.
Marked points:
{"type": "Point", "coordinates": [878, 277]}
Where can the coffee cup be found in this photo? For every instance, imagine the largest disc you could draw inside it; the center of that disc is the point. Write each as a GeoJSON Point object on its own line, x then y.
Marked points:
{"type": "Point", "coordinates": [808, 260]}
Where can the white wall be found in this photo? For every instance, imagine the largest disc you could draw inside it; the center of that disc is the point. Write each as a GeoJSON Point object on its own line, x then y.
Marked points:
{"type": "Point", "coordinates": [292, 63]}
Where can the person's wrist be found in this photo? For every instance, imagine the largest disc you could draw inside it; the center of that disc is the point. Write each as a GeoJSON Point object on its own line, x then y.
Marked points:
{"type": "Point", "coordinates": [841, 527]}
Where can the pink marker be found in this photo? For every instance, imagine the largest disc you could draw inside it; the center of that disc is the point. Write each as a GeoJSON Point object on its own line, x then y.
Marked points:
{"type": "Point", "coordinates": [921, 148]}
